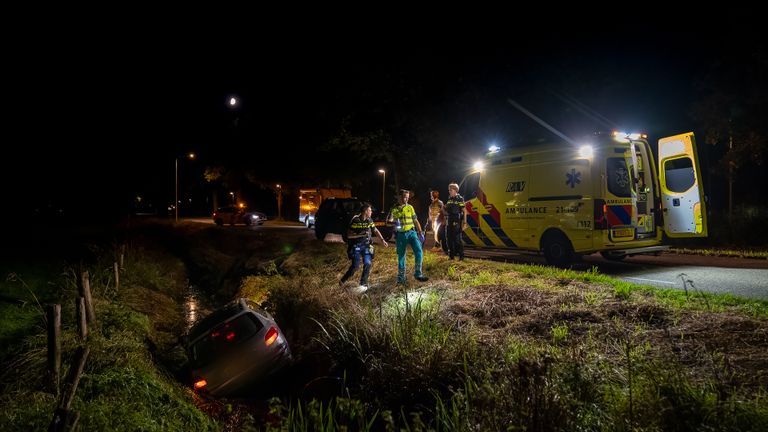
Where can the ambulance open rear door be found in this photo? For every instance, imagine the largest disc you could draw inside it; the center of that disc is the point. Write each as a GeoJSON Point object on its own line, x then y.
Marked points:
{"type": "Point", "coordinates": [682, 194]}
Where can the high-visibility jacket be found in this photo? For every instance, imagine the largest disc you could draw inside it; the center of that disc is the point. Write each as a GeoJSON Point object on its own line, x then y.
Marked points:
{"type": "Point", "coordinates": [403, 214]}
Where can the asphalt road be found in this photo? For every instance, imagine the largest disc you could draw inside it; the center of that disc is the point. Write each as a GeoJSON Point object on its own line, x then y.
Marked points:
{"type": "Point", "coordinates": [738, 276]}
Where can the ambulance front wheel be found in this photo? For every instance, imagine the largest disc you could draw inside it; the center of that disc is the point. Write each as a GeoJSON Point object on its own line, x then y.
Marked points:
{"type": "Point", "coordinates": [558, 250]}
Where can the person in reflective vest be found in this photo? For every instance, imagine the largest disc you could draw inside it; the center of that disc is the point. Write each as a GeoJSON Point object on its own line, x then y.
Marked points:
{"type": "Point", "coordinates": [407, 232]}
{"type": "Point", "coordinates": [360, 245]}
{"type": "Point", "coordinates": [456, 214]}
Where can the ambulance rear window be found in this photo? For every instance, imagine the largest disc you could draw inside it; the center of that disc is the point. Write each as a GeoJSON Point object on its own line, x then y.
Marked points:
{"type": "Point", "coordinates": [618, 177]}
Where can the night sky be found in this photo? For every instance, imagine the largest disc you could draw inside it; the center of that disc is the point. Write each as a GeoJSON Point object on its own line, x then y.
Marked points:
{"type": "Point", "coordinates": [95, 117]}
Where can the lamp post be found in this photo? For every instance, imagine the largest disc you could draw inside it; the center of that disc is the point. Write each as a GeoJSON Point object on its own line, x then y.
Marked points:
{"type": "Point", "coordinates": [232, 194]}
{"type": "Point", "coordinates": [383, 186]}
{"type": "Point", "coordinates": [279, 203]}
{"type": "Point", "coordinates": [176, 203]}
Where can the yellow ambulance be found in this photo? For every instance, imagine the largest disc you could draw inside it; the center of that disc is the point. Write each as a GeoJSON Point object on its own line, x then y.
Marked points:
{"type": "Point", "coordinates": [606, 195]}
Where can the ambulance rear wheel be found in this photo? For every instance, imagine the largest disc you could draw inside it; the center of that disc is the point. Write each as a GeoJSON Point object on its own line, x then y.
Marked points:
{"type": "Point", "coordinates": [558, 250]}
{"type": "Point", "coordinates": [612, 257]}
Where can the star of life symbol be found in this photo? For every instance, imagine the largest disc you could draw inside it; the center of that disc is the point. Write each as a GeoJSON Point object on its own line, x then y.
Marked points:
{"type": "Point", "coordinates": [622, 177]}
{"type": "Point", "coordinates": [573, 178]}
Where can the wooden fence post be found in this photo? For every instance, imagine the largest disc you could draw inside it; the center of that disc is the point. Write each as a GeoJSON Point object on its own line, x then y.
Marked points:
{"type": "Point", "coordinates": [54, 346]}
{"type": "Point", "coordinates": [73, 377]}
{"type": "Point", "coordinates": [85, 292]}
{"type": "Point", "coordinates": [117, 277]}
{"type": "Point", "coordinates": [82, 323]}
{"type": "Point", "coordinates": [63, 418]}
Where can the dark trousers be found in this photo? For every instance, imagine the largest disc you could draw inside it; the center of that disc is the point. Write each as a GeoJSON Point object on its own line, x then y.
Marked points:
{"type": "Point", "coordinates": [453, 234]}
{"type": "Point", "coordinates": [356, 254]}
{"type": "Point", "coordinates": [441, 237]}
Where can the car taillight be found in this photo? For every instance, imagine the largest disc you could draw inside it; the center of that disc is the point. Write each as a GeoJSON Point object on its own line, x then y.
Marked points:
{"type": "Point", "coordinates": [271, 336]}
{"type": "Point", "coordinates": [200, 384]}
{"type": "Point", "coordinates": [601, 222]}
{"type": "Point", "coordinates": [230, 336]}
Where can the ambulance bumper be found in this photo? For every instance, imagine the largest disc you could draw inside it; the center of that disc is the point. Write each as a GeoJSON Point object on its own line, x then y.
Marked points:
{"type": "Point", "coordinates": [637, 251]}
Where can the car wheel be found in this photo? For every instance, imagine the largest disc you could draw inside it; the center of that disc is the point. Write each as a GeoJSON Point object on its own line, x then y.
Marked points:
{"type": "Point", "coordinates": [219, 222]}
{"type": "Point", "coordinates": [558, 250]}
{"type": "Point", "coordinates": [612, 257]}
{"type": "Point", "coordinates": [247, 222]}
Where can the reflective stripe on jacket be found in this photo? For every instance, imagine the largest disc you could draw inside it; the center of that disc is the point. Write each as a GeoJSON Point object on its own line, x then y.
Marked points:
{"type": "Point", "coordinates": [405, 215]}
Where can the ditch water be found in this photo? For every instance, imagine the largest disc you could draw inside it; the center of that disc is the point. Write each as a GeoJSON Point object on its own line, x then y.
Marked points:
{"type": "Point", "coordinates": [196, 305]}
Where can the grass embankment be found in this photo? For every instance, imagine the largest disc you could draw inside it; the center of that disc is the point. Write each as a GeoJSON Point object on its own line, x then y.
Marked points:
{"type": "Point", "coordinates": [493, 346]}
{"type": "Point", "coordinates": [128, 382]}
{"type": "Point", "coordinates": [481, 346]}
{"type": "Point", "coordinates": [722, 252]}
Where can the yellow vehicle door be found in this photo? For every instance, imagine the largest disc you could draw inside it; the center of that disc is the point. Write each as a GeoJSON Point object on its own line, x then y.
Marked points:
{"type": "Point", "coordinates": [682, 194]}
{"type": "Point", "coordinates": [620, 195]}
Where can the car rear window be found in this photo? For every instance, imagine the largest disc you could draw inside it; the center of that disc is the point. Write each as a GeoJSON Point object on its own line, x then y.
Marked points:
{"type": "Point", "coordinates": [224, 338]}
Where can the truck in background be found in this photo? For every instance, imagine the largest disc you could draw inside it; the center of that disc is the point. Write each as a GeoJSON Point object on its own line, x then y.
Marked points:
{"type": "Point", "coordinates": [311, 198]}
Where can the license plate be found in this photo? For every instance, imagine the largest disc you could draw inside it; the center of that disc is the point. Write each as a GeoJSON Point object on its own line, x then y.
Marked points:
{"type": "Point", "coordinates": [626, 232]}
{"type": "Point", "coordinates": [379, 224]}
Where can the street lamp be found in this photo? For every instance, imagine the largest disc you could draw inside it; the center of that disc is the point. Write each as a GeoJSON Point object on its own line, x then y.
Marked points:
{"type": "Point", "coordinates": [232, 194]}
{"type": "Point", "coordinates": [279, 202]}
{"type": "Point", "coordinates": [383, 186]}
{"type": "Point", "coordinates": [176, 204]}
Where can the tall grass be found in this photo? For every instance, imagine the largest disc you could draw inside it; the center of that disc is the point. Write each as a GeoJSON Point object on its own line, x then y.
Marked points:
{"type": "Point", "coordinates": [125, 386]}
{"type": "Point", "coordinates": [419, 372]}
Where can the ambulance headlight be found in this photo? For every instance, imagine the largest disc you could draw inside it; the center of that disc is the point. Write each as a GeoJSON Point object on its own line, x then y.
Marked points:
{"type": "Point", "coordinates": [586, 152]}
{"type": "Point", "coordinates": [477, 166]}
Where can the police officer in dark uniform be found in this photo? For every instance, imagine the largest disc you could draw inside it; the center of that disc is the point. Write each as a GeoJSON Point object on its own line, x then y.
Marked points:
{"type": "Point", "coordinates": [360, 246]}
{"type": "Point", "coordinates": [456, 215]}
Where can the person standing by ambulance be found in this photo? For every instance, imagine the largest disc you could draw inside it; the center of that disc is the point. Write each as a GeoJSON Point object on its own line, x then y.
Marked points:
{"type": "Point", "coordinates": [437, 221]}
{"type": "Point", "coordinates": [360, 246]}
{"type": "Point", "coordinates": [456, 215]}
{"type": "Point", "coordinates": [407, 232]}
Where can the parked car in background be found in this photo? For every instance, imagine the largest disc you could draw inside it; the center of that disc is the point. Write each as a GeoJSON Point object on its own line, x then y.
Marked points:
{"type": "Point", "coordinates": [237, 215]}
{"type": "Point", "coordinates": [235, 347]}
{"type": "Point", "coordinates": [334, 216]}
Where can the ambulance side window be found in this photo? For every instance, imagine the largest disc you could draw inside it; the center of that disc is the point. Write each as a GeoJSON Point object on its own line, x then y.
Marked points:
{"type": "Point", "coordinates": [468, 187]}
{"type": "Point", "coordinates": [618, 177]}
{"type": "Point", "coordinates": [679, 174]}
